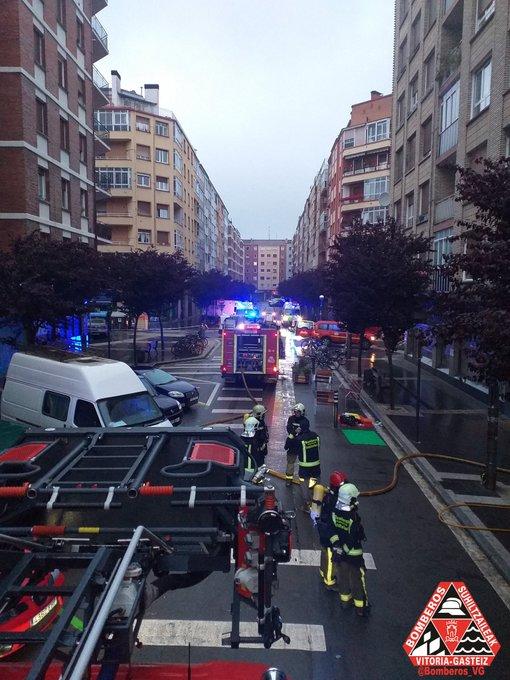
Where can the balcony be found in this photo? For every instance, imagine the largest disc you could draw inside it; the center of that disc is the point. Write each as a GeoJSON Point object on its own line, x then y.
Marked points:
{"type": "Point", "coordinates": [99, 40]}
{"type": "Point", "coordinates": [103, 231]}
{"type": "Point", "coordinates": [98, 5]}
{"type": "Point", "coordinates": [100, 98]}
{"type": "Point", "coordinates": [449, 64]}
{"type": "Point", "coordinates": [115, 218]}
{"type": "Point", "coordinates": [444, 209]}
{"type": "Point", "coordinates": [101, 138]}
{"type": "Point", "coordinates": [440, 282]}
{"type": "Point", "coordinates": [448, 138]}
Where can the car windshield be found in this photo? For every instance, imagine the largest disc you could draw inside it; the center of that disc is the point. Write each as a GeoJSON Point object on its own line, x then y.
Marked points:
{"type": "Point", "coordinates": [129, 409]}
{"type": "Point", "coordinates": [159, 377]}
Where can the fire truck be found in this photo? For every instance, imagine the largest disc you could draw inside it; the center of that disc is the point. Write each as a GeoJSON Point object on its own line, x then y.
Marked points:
{"type": "Point", "coordinates": [252, 351]}
{"type": "Point", "coordinates": [96, 524]}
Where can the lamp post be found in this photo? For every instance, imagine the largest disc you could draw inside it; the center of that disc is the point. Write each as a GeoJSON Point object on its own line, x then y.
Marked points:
{"type": "Point", "coordinates": [321, 305]}
{"type": "Point", "coordinates": [419, 342]}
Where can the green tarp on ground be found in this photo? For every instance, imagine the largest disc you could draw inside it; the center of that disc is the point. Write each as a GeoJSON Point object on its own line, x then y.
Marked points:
{"type": "Point", "coordinates": [9, 433]}
{"type": "Point", "coordinates": [363, 437]}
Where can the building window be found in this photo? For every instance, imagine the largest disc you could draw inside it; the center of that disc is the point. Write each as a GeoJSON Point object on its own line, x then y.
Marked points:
{"type": "Point", "coordinates": [66, 194]}
{"type": "Point", "coordinates": [84, 202]}
{"type": "Point", "coordinates": [114, 120]}
{"type": "Point", "coordinates": [81, 91]}
{"type": "Point", "coordinates": [39, 57]}
{"type": "Point", "coordinates": [348, 142]}
{"type": "Point", "coordinates": [64, 134]}
{"type": "Point", "coordinates": [484, 10]}
{"type": "Point", "coordinates": [481, 97]}
{"type": "Point", "coordinates": [163, 211]}
{"type": "Point", "coordinates": [162, 156]}
{"type": "Point", "coordinates": [143, 152]}
{"type": "Point", "coordinates": [426, 137]}
{"type": "Point", "coordinates": [374, 188]}
{"type": "Point", "coordinates": [442, 246]}
{"type": "Point", "coordinates": [374, 215]}
{"type": "Point", "coordinates": [424, 202]}
{"type": "Point", "coordinates": [144, 208]}
{"type": "Point", "coordinates": [402, 57]}
{"type": "Point", "coordinates": [41, 111]}
{"type": "Point", "coordinates": [143, 180]}
{"type": "Point", "coordinates": [62, 72]}
{"type": "Point", "coordinates": [448, 135]}
{"type": "Point", "coordinates": [144, 236]}
{"type": "Point", "coordinates": [177, 187]}
{"type": "Point", "coordinates": [61, 12]}
{"type": "Point", "coordinates": [83, 148]}
{"type": "Point", "coordinates": [428, 73]}
{"type": "Point", "coordinates": [415, 35]}
{"type": "Point", "coordinates": [162, 183]}
{"type": "Point", "coordinates": [379, 130]}
{"type": "Point", "coordinates": [178, 135]}
{"type": "Point", "coordinates": [43, 184]}
{"type": "Point", "coordinates": [397, 211]}
{"type": "Point", "coordinates": [411, 153]}
{"type": "Point", "coordinates": [80, 35]}
{"type": "Point", "coordinates": [143, 124]}
{"type": "Point", "coordinates": [413, 94]}
{"type": "Point", "coordinates": [410, 209]}
{"type": "Point", "coordinates": [178, 163]}
{"type": "Point", "coordinates": [401, 109]}
{"type": "Point", "coordinates": [430, 14]}
{"type": "Point", "coordinates": [115, 178]}
{"type": "Point", "coordinates": [178, 240]}
{"type": "Point", "coordinates": [161, 129]}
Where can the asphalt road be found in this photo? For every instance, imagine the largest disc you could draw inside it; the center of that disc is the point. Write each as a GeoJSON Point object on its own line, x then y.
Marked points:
{"type": "Point", "coordinates": [410, 552]}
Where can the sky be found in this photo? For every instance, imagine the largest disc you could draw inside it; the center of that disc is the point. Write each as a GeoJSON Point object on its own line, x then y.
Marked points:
{"type": "Point", "coordinates": [261, 87]}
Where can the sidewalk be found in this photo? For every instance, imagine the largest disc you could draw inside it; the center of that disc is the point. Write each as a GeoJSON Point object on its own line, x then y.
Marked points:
{"type": "Point", "coordinates": [452, 423]}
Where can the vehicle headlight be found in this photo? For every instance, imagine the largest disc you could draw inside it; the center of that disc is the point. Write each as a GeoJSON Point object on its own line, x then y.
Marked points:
{"type": "Point", "coordinates": [5, 649]}
{"type": "Point", "coordinates": [176, 395]}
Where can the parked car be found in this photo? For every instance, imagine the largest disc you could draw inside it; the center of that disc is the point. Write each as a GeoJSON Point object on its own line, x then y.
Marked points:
{"type": "Point", "coordinates": [170, 407]}
{"type": "Point", "coordinates": [76, 391]}
{"type": "Point", "coordinates": [336, 332]}
{"type": "Point", "coordinates": [167, 384]}
{"type": "Point", "coordinates": [304, 329]}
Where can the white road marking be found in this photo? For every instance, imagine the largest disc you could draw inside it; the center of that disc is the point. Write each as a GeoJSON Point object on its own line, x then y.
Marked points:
{"type": "Point", "coordinates": [238, 389]}
{"type": "Point", "coordinates": [213, 394]}
{"type": "Point", "coordinates": [237, 399]}
{"type": "Point", "coordinates": [311, 558]}
{"type": "Point", "coordinates": [228, 410]}
{"type": "Point", "coordinates": [175, 633]}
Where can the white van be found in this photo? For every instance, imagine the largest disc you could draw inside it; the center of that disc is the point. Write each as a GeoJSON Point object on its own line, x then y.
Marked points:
{"type": "Point", "coordinates": [79, 391]}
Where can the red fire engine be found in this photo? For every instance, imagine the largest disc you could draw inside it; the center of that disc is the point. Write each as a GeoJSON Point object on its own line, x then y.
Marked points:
{"type": "Point", "coordinates": [252, 351]}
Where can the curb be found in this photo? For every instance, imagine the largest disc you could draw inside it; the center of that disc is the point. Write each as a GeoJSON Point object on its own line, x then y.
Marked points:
{"type": "Point", "coordinates": [156, 364]}
{"type": "Point", "coordinates": [492, 549]}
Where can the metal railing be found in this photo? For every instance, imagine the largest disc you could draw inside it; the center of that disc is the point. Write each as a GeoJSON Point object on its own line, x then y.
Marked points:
{"type": "Point", "coordinates": [448, 138]}
{"type": "Point", "coordinates": [99, 32]}
{"type": "Point", "coordinates": [103, 231]}
{"type": "Point", "coordinates": [101, 130]}
{"type": "Point", "coordinates": [444, 209]}
{"type": "Point", "coordinates": [440, 281]}
{"type": "Point", "coordinates": [368, 168]}
{"type": "Point", "coordinates": [99, 79]}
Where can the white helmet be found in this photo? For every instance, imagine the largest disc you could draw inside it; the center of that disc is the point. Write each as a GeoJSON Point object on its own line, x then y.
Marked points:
{"type": "Point", "coordinates": [259, 410]}
{"type": "Point", "coordinates": [299, 408]}
{"type": "Point", "coordinates": [250, 425]}
{"type": "Point", "coordinates": [347, 494]}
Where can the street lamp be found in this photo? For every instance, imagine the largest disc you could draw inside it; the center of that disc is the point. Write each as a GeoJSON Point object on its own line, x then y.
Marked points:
{"type": "Point", "coordinates": [321, 305]}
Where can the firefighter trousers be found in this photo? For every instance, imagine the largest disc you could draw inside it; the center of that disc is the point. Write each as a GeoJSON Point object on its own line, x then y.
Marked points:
{"type": "Point", "coordinates": [350, 582]}
{"type": "Point", "coordinates": [291, 464]}
{"type": "Point", "coordinates": [326, 568]}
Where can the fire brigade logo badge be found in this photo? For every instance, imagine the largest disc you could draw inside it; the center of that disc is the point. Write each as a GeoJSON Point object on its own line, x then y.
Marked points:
{"type": "Point", "coordinates": [452, 632]}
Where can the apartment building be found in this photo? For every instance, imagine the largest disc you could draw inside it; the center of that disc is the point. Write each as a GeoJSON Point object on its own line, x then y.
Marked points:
{"type": "Point", "coordinates": [235, 253]}
{"type": "Point", "coordinates": [310, 241]}
{"type": "Point", "coordinates": [266, 263]}
{"type": "Point", "coordinates": [451, 106]}
{"type": "Point", "coordinates": [359, 165]}
{"type": "Point", "coordinates": [50, 88]}
{"type": "Point", "coordinates": [157, 192]}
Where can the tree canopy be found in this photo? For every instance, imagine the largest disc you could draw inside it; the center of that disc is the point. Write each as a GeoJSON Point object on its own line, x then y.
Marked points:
{"type": "Point", "coordinates": [213, 285]}
{"type": "Point", "coordinates": [305, 287]}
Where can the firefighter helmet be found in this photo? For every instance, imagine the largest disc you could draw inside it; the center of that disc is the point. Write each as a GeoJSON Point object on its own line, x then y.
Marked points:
{"type": "Point", "coordinates": [299, 408]}
{"type": "Point", "coordinates": [348, 494]}
{"type": "Point", "coordinates": [273, 674]}
{"type": "Point", "coordinates": [337, 478]}
{"type": "Point", "coordinates": [259, 410]}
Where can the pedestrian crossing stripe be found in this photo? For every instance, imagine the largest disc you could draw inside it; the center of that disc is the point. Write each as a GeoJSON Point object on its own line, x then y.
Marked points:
{"type": "Point", "coordinates": [451, 631]}
{"type": "Point", "coordinates": [181, 633]}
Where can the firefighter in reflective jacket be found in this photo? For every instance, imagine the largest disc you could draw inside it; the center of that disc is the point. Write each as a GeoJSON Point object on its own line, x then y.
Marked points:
{"type": "Point", "coordinates": [347, 551]}
{"type": "Point", "coordinates": [296, 424]}
{"type": "Point", "coordinates": [323, 504]}
{"type": "Point", "coordinates": [309, 463]}
{"type": "Point", "coordinates": [251, 442]}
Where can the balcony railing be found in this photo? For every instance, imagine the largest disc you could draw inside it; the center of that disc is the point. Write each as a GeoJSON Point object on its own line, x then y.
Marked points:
{"type": "Point", "coordinates": [103, 231]}
{"type": "Point", "coordinates": [99, 32]}
{"type": "Point", "coordinates": [448, 138]}
{"type": "Point", "coordinates": [440, 282]}
{"type": "Point", "coordinates": [99, 79]}
{"type": "Point", "coordinates": [100, 130]}
{"type": "Point", "coordinates": [368, 168]}
{"type": "Point", "coordinates": [353, 199]}
{"type": "Point", "coordinates": [444, 209]}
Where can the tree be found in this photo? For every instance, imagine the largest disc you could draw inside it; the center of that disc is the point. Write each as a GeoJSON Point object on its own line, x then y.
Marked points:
{"type": "Point", "coordinates": [147, 281]}
{"type": "Point", "coordinates": [476, 310]}
{"type": "Point", "coordinates": [305, 288]}
{"type": "Point", "coordinates": [44, 281]}
{"type": "Point", "coordinates": [379, 275]}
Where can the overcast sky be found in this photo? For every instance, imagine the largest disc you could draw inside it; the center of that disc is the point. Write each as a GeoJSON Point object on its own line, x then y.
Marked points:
{"type": "Point", "coordinates": [261, 87]}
